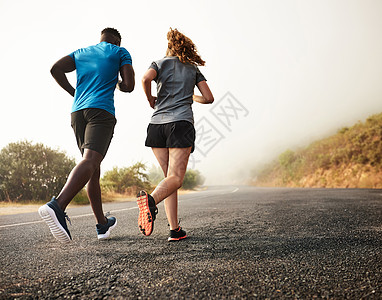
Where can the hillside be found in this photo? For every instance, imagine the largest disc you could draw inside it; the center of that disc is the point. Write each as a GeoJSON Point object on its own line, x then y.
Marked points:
{"type": "Point", "coordinates": [352, 158]}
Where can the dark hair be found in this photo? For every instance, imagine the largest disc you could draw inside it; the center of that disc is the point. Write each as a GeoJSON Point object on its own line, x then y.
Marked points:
{"type": "Point", "coordinates": [112, 31]}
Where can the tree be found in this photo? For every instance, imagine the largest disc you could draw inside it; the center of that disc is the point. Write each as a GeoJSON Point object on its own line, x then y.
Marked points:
{"type": "Point", "coordinates": [155, 175]}
{"type": "Point", "coordinates": [192, 179]}
{"type": "Point", "coordinates": [32, 172]}
{"type": "Point", "coordinates": [126, 180]}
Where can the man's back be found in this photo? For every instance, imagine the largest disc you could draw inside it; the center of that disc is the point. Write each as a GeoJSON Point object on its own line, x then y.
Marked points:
{"type": "Point", "coordinates": [97, 75]}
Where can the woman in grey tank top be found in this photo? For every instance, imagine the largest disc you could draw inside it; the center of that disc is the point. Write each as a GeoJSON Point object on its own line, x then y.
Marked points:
{"type": "Point", "coordinates": [171, 133]}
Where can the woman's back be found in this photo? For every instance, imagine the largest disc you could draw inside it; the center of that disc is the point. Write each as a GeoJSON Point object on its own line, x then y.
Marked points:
{"type": "Point", "coordinates": [175, 87]}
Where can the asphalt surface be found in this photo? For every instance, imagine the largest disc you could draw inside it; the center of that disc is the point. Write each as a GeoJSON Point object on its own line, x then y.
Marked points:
{"type": "Point", "coordinates": [244, 243]}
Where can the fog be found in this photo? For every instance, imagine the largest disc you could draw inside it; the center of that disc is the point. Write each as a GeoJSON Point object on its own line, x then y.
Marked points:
{"type": "Point", "coordinates": [283, 73]}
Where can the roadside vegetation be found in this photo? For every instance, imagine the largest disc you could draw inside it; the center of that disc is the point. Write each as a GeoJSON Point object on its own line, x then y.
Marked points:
{"type": "Point", "coordinates": [34, 173]}
{"type": "Point", "coordinates": [352, 158]}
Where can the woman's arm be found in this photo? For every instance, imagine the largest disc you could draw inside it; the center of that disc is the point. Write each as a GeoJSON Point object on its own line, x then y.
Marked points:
{"type": "Point", "coordinates": [146, 83]}
{"type": "Point", "coordinates": [207, 96]}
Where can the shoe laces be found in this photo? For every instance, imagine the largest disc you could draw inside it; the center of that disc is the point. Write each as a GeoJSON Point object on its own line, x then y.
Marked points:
{"type": "Point", "coordinates": [67, 218]}
{"type": "Point", "coordinates": [107, 214]}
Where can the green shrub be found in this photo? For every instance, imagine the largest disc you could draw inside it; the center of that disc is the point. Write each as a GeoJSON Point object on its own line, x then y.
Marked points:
{"type": "Point", "coordinates": [32, 172]}
{"type": "Point", "coordinates": [128, 180]}
{"type": "Point", "coordinates": [155, 175]}
{"type": "Point", "coordinates": [286, 159]}
{"type": "Point", "coordinates": [192, 179]}
{"type": "Point", "coordinates": [81, 198]}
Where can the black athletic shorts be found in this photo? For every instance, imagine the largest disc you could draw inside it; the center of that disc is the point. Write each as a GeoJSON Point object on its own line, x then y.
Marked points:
{"type": "Point", "coordinates": [180, 134]}
{"type": "Point", "coordinates": [94, 129]}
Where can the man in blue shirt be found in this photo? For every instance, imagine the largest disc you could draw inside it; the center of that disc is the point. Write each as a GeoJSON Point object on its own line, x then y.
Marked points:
{"type": "Point", "coordinates": [93, 120]}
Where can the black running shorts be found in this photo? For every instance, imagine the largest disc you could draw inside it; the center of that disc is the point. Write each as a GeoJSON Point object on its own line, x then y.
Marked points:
{"type": "Point", "coordinates": [94, 129]}
{"type": "Point", "coordinates": [180, 134]}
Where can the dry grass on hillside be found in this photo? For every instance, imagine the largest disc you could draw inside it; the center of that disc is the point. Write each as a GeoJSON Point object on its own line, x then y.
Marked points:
{"type": "Point", "coordinates": [352, 158]}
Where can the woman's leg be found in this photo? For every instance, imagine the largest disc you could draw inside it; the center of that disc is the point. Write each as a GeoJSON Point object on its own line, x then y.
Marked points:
{"type": "Point", "coordinates": [171, 208]}
{"type": "Point", "coordinates": [171, 202]}
{"type": "Point", "coordinates": [168, 187]}
{"type": "Point", "coordinates": [161, 155]}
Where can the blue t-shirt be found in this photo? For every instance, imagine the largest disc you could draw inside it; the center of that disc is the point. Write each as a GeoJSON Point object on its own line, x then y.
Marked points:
{"type": "Point", "coordinates": [97, 75]}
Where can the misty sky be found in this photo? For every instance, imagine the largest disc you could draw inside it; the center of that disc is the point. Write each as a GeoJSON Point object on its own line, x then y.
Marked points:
{"type": "Point", "coordinates": [283, 73]}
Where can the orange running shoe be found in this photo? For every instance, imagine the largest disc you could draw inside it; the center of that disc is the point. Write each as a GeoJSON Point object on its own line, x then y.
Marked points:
{"type": "Point", "coordinates": [147, 212]}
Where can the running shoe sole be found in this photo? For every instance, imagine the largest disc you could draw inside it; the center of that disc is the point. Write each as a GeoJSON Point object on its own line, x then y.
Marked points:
{"type": "Point", "coordinates": [107, 233]}
{"type": "Point", "coordinates": [49, 216]}
{"type": "Point", "coordinates": [170, 239]}
{"type": "Point", "coordinates": [145, 219]}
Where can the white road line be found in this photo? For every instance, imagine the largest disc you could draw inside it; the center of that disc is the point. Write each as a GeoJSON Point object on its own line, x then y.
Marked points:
{"type": "Point", "coordinates": [230, 192]}
{"type": "Point", "coordinates": [20, 224]}
{"type": "Point", "coordinates": [118, 210]}
{"type": "Point", "coordinates": [207, 196]}
{"type": "Point", "coordinates": [88, 215]}
{"type": "Point", "coordinates": [73, 217]}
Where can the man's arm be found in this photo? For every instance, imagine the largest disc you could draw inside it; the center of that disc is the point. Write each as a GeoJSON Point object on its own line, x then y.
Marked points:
{"type": "Point", "coordinates": [64, 65]}
{"type": "Point", "coordinates": [128, 79]}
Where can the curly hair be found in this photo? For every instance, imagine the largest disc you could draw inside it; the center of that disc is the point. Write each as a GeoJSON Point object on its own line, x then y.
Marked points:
{"type": "Point", "coordinates": [182, 47]}
{"type": "Point", "coordinates": [112, 31]}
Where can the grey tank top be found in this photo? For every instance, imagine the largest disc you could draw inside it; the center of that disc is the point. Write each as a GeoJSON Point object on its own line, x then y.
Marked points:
{"type": "Point", "coordinates": [175, 87]}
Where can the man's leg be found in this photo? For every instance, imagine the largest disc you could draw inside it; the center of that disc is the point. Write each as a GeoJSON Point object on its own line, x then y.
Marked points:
{"type": "Point", "coordinates": [79, 177]}
{"type": "Point", "coordinates": [53, 212]}
{"type": "Point", "coordinates": [94, 193]}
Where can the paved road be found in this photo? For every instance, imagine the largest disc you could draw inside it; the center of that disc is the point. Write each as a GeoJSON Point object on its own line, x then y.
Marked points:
{"type": "Point", "coordinates": [245, 242]}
